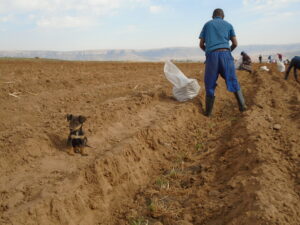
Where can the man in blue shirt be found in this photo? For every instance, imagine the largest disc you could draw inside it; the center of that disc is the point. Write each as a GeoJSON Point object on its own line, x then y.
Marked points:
{"type": "Point", "coordinates": [214, 40]}
{"type": "Point", "coordinates": [296, 64]}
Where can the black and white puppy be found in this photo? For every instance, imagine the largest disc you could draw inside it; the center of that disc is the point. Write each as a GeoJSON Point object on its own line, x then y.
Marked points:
{"type": "Point", "coordinates": [77, 141]}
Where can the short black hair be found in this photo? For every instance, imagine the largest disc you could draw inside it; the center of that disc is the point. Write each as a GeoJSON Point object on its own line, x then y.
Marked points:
{"type": "Point", "coordinates": [218, 12]}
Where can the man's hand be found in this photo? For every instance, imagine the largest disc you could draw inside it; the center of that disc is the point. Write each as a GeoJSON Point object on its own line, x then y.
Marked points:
{"type": "Point", "coordinates": [234, 43]}
{"type": "Point", "coordinates": [202, 44]}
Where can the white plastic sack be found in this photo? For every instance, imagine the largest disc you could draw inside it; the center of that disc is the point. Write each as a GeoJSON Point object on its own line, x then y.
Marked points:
{"type": "Point", "coordinates": [184, 88]}
{"type": "Point", "coordinates": [264, 68]}
{"type": "Point", "coordinates": [187, 92]}
{"type": "Point", "coordinates": [238, 63]}
{"type": "Point", "coordinates": [280, 66]}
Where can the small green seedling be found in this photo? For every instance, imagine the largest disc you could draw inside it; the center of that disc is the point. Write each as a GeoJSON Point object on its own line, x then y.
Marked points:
{"type": "Point", "coordinates": [173, 173]}
{"type": "Point", "coordinates": [139, 221]}
{"type": "Point", "coordinates": [199, 147]}
{"type": "Point", "coordinates": [163, 183]}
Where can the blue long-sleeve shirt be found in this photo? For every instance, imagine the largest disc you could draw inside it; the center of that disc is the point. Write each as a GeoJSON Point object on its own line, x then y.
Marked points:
{"type": "Point", "coordinates": [295, 62]}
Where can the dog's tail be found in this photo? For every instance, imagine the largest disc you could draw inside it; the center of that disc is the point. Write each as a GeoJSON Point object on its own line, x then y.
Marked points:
{"type": "Point", "coordinates": [89, 146]}
{"type": "Point", "coordinates": [86, 143]}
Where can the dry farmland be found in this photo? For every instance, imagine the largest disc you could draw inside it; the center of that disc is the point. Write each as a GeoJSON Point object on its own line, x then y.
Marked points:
{"type": "Point", "coordinates": [155, 161]}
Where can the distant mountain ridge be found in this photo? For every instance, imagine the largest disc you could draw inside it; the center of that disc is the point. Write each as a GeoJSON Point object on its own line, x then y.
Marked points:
{"type": "Point", "coordinates": [162, 54]}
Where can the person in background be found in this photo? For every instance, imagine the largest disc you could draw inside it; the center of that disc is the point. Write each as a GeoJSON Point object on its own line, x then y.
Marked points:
{"type": "Point", "coordinates": [260, 58]}
{"type": "Point", "coordinates": [279, 57]}
{"type": "Point", "coordinates": [295, 63]}
{"type": "Point", "coordinates": [269, 59]}
{"type": "Point", "coordinates": [214, 40]}
{"type": "Point", "coordinates": [246, 64]}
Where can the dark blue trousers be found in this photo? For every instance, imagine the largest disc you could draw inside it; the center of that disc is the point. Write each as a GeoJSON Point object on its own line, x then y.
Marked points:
{"type": "Point", "coordinates": [220, 62]}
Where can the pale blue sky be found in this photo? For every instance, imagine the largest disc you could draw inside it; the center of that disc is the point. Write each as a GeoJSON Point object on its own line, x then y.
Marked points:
{"type": "Point", "coordinates": [140, 24]}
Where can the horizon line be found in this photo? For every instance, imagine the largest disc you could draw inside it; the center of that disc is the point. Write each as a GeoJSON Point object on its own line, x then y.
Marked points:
{"type": "Point", "coordinates": [137, 49]}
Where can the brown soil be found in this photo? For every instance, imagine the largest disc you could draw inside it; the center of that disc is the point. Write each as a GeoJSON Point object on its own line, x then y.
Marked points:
{"type": "Point", "coordinates": [156, 161]}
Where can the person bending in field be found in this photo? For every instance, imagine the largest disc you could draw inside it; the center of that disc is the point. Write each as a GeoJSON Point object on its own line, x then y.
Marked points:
{"type": "Point", "coordinates": [260, 59]}
{"type": "Point", "coordinates": [246, 64]}
{"type": "Point", "coordinates": [295, 63]}
{"type": "Point", "coordinates": [214, 40]}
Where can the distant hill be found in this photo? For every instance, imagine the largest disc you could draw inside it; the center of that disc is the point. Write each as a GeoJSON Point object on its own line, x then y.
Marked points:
{"type": "Point", "coordinates": [176, 53]}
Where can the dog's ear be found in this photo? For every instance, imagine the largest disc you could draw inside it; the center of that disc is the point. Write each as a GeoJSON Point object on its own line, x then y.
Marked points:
{"type": "Point", "coordinates": [82, 119]}
{"type": "Point", "coordinates": [69, 117]}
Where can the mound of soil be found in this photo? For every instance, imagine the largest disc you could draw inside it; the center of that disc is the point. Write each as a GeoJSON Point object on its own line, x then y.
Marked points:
{"type": "Point", "coordinates": [154, 160]}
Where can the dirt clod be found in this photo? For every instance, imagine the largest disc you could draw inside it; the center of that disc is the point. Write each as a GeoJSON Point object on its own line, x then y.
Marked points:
{"type": "Point", "coordinates": [277, 127]}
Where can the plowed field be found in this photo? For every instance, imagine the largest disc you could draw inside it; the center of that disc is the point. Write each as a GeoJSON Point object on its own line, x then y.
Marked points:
{"type": "Point", "coordinates": [154, 160]}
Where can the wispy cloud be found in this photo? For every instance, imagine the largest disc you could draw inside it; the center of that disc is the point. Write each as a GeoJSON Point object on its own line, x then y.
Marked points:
{"type": "Point", "coordinates": [64, 22]}
{"type": "Point", "coordinates": [60, 5]}
{"type": "Point", "coordinates": [66, 13]}
{"type": "Point", "coordinates": [268, 5]}
{"type": "Point", "coordinates": [131, 28]}
{"type": "Point", "coordinates": [128, 30]}
{"type": "Point", "coordinates": [155, 8]}
{"type": "Point", "coordinates": [6, 19]}
{"type": "Point", "coordinates": [271, 11]}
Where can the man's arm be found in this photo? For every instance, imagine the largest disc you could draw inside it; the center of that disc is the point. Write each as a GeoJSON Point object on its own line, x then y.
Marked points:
{"type": "Point", "coordinates": [202, 44]}
{"type": "Point", "coordinates": [288, 71]}
{"type": "Point", "coordinates": [234, 43]}
{"type": "Point", "coordinates": [295, 74]}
